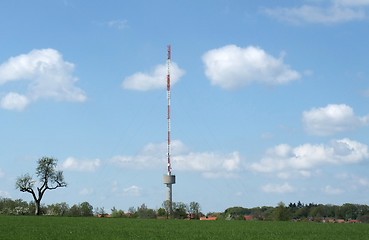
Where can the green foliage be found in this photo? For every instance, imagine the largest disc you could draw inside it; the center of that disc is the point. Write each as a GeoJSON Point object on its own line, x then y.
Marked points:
{"type": "Point", "coordinates": [364, 219]}
{"type": "Point", "coordinates": [220, 217]}
{"type": "Point", "coordinates": [101, 211]}
{"type": "Point", "coordinates": [115, 213]}
{"type": "Point", "coordinates": [144, 212]}
{"type": "Point", "coordinates": [85, 209]}
{"type": "Point", "coordinates": [20, 207]}
{"type": "Point", "coordinates": [58, 209]}
{"type": "Point", "coordinates": [167, 207]}
{"type": "Point", "coordinates": [179, 210]}
{"type": "Point", "coordinates": [161, 212]}
{"type": "Point", "coordinates": [235, 211]}
{"type": "Point", "coordinates": [194, 209]}
{"type": "Point", "coordinates": [318, 211]}
{"type": "Point", "coordinates": [301, 213]}
{"type": "Point", "coordinates": [74, 211]}
{"type": "Point", "coordinates": [10, 207]}
{"type": "Point", "coordinates": [281, 213]}
{"type": "Point", "coordinates": [24, 182]}
{"type": "Point", "coordinates": [349, 211]}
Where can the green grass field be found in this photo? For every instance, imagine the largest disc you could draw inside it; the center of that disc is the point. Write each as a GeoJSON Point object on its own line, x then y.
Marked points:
{"type": "Point", "coordinates": [32, 227]}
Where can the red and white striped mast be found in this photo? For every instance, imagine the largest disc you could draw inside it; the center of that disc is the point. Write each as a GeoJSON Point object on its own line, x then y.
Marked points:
{"type": "Point", "coordinates": [168, 98]}
{"type": "Point", "coordinates": [169, 179]}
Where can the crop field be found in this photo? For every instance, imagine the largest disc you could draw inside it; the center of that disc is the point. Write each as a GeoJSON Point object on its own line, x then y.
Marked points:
{"type": "Point", "coordinates": [31, 227]}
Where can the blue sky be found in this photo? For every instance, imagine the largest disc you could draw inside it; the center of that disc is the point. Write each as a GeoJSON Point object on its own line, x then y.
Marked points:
{"type": "Point", "coordinates": [269, 100]}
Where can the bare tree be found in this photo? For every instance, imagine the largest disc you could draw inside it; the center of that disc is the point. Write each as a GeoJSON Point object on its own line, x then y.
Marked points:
{"type": "Point", "coordinates": [49, 179]}
{"type": "Point", "coordinates": [168, 208]}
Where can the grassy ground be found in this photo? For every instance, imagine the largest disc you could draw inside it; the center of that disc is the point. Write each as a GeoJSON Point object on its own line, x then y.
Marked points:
{"type": "Point", "coordinates": [31, 227]}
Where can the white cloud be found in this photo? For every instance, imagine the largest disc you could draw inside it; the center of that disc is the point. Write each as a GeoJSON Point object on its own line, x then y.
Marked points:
{"type": "Point", "coordinates": [354, 180]}
{"type": "Point", "coordinates": [86, 191]}
{"type": "Point", "coordinates": [313, 14]}
{"type": "Point", "coordinates": [231, 67]}
{"type": "Point", "coordinates": [332, 119]}
{"type": "Point", "coordinates": [207, 162]}
{"type": "Point", "coordinates": [119, 24]}
{"type": "Point", "coordinates": [154, 80]}
{"type": "Point", "coordinates": [14, 101]}
{"type": "Point", "coordinates": [285, 160]}
{"type": "Point", "coordinates": [73, 164]}
{"type": "Point", "coordinates": [308, 72]}
{"type": "Point", "coordinates": [332, 191]}
{"type": "Point", "coordinates": [351, 2]}
{"type": "Point", "coordinates": [267, 135]}
{"type": "Point", "coordinates": [149, 157]}
{"type": "Point", "coordinates": [47, 74]}
{"type": "Point", "coordinates": [211, 164]}
{"type": "Point", "coordinates": [293, 174]}
{"type": "Point", "coordinates": [132, 191]}
{"type": "Point", "coordinates": [305, 173]}
{"type": "Point", "coordinates": [277, 188]}
{"type": "Point", "coordinates": [336, 12]}
{"type": "Point", "coordinates": [362, 181]}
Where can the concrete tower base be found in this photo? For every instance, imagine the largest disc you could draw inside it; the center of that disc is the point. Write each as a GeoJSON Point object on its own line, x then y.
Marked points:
{"type": "Point", "coordinates": [169, 180]}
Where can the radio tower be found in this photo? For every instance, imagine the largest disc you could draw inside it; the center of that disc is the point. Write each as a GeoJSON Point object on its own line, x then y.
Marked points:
{"type": "Point", "coordinates": [169, 179]}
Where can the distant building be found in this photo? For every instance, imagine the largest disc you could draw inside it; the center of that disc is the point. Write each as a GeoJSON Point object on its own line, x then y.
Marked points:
{"type": "Point", "coordinates": [352, 221]}
{"type": "Point", "coordinates": [248, 217]}
{"type": "Point", "coordinates": [208, 218]}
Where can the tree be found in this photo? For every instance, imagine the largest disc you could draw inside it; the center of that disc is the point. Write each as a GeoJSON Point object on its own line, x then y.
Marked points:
{"type": "Point", "coordinates": [364, 219]}
{"type": "Point", "coordinates": [73, 211]}
{"type": "Point", "coordinates": [281, 213]}
{"type": "Point", "coordinates": [115, 213]}
{"type": "Point", "coordinates": [161, 212]}
{"type": "Point", "coordinates": [318, 212]}
{"type": "Point", "coordinates": [235, 211]}
{"type": "Point", "coordinates": [179, 210]}
{"type": "Point", "coordinates": [16, 207]}
{"type": "Point", "coordinates": [167, 207]}
{"type": "Point", "coordinates": [144, 212]}
{"type": "Point", "coordinates": [100, 212]}
{"type": "Point", "coordinates": [350, 211]}
{"type": "Point", "coordinates": [58, 209]}
{"type": "Point", "coordinates": [49, 179]}
{"type": "Point", "coordinates": [194, 210]}
{"type": "Point", "coordinates": [257, 213]}
{"type": "Point", "coordinates": [86, 209]}
{"type": "Point", "coordinates": [302, 213]}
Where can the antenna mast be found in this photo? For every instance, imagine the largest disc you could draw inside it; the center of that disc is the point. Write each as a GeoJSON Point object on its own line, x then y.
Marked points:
{"type": "Point", "coordinates": [168, 98]}
{"type": "Point", "coordinates": [169, 179]}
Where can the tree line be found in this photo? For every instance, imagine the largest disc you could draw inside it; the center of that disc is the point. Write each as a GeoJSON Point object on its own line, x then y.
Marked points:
{"type": "Point", "coordinates": [177, 210]}
{"type": "Point", "coordinates": [293, 211]}
{"type": "Point", "coordinates": [301, 212]}
{"type": "Point", "coordinates": [20, 207]}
